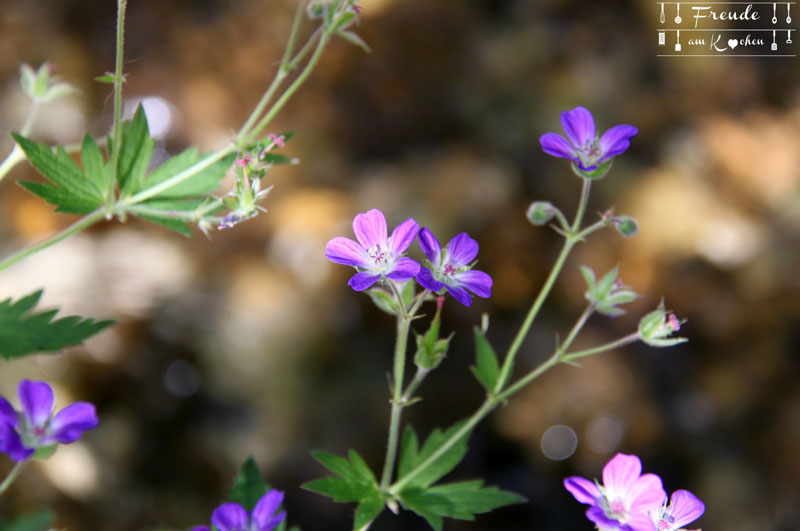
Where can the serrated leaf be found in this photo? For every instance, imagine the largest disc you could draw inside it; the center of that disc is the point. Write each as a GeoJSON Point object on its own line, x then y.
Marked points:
{"type": "Point", "coordinates": [487, 370]}
{"type": "Point", "coordinates": [249, 486]}
{"type": "Point", "coordinates": [168, 207]}
{"type": "Point", "coordinates": [70, 190]}
{"type": "Point", "coordinates": [461, 501]}
{"type": "Point", "coordinates": [39, 521]}
{"type": "Point", "coordinates": [353, 481]}
{"type": "Point", "coordinates": [367, 511]}
{"type": "Point", "coordinates": [410, 457]}
{"type": "Point", "coordinates": [202, 183]}
{"type": "Point", "coordinates": [135, 153]}
{"type": "Point", "coordinates": [23, 333]}
{"type": "Point", "coordinates": [93, 166]}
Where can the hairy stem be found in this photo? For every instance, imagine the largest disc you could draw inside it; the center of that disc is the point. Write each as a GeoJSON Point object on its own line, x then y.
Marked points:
{"type": "Point", "coordinates": [81, 224]}
{"type": "Point", "coordinates": [118, 80]}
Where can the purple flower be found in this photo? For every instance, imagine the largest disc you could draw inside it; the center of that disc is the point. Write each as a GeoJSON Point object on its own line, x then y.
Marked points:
{"type": "Point", "coordinates": [22, 433]}
{"type": "Point", "coordinates": [684, 508]}
{"type": "Point", "coordinates": [582, 145]}
{"type": "Point", "coordinates": [451, 268]}
{"type": "Point", "coordinates": [374, 253]}
{"type": "Point", "coordinates": [233, 517]}
{"type": "Point", "coordinates": [625, 499]}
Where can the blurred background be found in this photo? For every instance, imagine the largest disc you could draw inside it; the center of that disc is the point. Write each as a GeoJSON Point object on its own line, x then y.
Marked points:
{"type": "Point", "coordinates": [250, 343]}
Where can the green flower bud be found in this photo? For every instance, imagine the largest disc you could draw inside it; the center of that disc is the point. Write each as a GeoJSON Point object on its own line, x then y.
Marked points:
{"type": "Point", "coordinates": [656, 327]}
{"type": "Point", "coordinates": [540, 212]}
{"type": "Point", "coordinates": [627, 226]}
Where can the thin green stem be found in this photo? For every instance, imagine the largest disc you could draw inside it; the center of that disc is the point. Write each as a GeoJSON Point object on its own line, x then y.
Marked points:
{"type": "Point", "coordinates": [177, 179]}
{"type": "Point", "coordinates": [403, 325]}
{"type": "Point", "coordinates": [486, 408]}
{"type": "Point", "coordinates": [305, 50]}
{"type": "Point", "coordinates": [621, 342]}
{"type": "Point", "coordinates": [415, 383]}
{"type": "Point", "coordinates": [81, 224]}
{"type": "Point", "coordinates": [118, 80]}
{"type": "Point", "coordinates": [569, 243]}
{"type": "Point", "coordinates": [298, 17]}
{"type": "Point", "coordinates": [17, 154]}
{"type": "Point", "coordinates": [9, 479]}
{"type": "Point", "coordinates": [576, 328]}
{"type": "Point", "coordinates": [594, 227]}
{"type": "Point", "coordinates": [184, 215]}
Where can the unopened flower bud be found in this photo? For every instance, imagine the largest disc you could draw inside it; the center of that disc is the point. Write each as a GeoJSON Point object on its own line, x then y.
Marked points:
{"type": "Point", "coordinates": [656, 327]}
{"type": "Point", "coordinates": [540, 212]}
{"type": "Point", "coordinates": [627, 226]}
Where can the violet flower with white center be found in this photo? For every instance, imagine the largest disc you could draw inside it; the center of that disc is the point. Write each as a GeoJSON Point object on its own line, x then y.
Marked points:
{"type": "Point", "coordinates": [684, 508]}
{"type": "Point", "coordinates": [22, 433]}
{"type": "Point", "coordinates": [451, 268]}
{"type": "Point", "coordinates": [233, 517]}
{"type": "Point", "coordinates": [625, 499]}
{"type": "Point", "coordinates": [582, 144]}
{"type": "Point", "coordinates": [374, 255]}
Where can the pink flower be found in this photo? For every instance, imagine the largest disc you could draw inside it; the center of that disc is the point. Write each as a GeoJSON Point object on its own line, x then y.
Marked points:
{"type": "Point", "coordinates": [626, 498]}
{"type": "Point", "coordinates": [684, 508]}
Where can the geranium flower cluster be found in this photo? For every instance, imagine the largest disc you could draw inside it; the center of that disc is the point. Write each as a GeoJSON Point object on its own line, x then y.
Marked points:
{"type": "Point", "coordinates": [631, 501]}
{"type": "Point", "coordinates": [36, 427]}
{"type": "Point", "coordinates": [377, 256]}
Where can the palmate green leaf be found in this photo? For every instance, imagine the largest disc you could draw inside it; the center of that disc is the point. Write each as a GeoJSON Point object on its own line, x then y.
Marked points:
{"type": "Point", "coordinates": [461, 501]}
{"type": "Point", "coordinates": [367, 511]}
{"type": "Point", "coordinates": [487, 369]}
{"type": "Point", "coordinates": [201, 183]}
{"type": "Point", "coordinates": [93, 166]}
{"type": "Point", "coordinates": [23, 333]}
{"type": "Point", "coordinates": [411, 455]}
{"type": "Point", "coordinates": [68, 188]}
{"type": "Point", "coordinates": [352, 481]}
{"type": "Point", "coordinates": [39, 521]}
{"type": "Point", "coordinates": [135, 153]}
{"type": "Point", "coordinates": [249, 486]}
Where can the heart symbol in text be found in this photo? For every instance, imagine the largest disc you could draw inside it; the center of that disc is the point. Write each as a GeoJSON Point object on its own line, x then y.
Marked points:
{"type": "Point", "coordinates": [733, 43]}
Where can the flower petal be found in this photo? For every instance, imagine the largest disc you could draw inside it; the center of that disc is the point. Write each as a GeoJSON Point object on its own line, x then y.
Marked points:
{"type": "Point", "coordinates": [639, 522]}
{"type": "Point", "coordinates": [402, 236]}
{"type": "Point", "coordinates": [404, 269]}
{"type": "Point", "coordinates": [265, 509]}
{"type": "Point", "coordinates": [272, 524]}
{"type": "Point", "coordinates": [430, 246]}
{"type": "Point", "coordinates": [461, 250]}
{"type": "Point", "coordinates": [11, 444]}
{"type": "Point", "coordinates": [370, 228]}
{"type": "Point", "coordinates": [598, 516]}
{"type": "Point", "coordinates": [69, 423]}
{"type": "Point", "coordinates": [685, 508]}
{"type": "Point", "coordinates": [37, 401]}
{"type": "Point", "coordinates": [477, 282]}
{"type": "Point", "coordinates": [579, 126]}
{"type": "Point", "coordinates": [426, 280]}
{"type": "Point", "coordinates": [645, 493]}
{"type": "Point", "coordinates": [363, 280]}
{"type": "Point", "coordinates": [8, 414]}
{"type": "Point", "coordinates": [616, 140]}
{"type": "Point", "coordinates": [460, 294]}
{"type": "Point", "coordinates": [557, 146]}
{"type": "Point", "coordinates": [619, 475]}
{"type": "Point", "coordinates": [230, 517]}
{"type": "Point", "coordinates": [345, 251]}
{"type": "Point", "coordinates": [201, 528]}
{"type": "Point", "coordinates": [585, 491]}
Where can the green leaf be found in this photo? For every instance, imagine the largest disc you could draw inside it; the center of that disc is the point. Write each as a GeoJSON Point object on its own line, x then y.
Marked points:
{"type": "Point", "coordinates": [135, 153]}
{"type": "Point", "coordinates": [461, 501]}
{"type": "Point", "coordinates": [92, 160]}
{"type": "Point", "coordinates": [70, 190]}
{"type": "Point", "coordinates": [39, 521]}
{"type": "Point", "coordinates": [168, 208]}
{"type": "Point", "coordinates": [23, 333]}
{"type": "Point", "coordinates": [249, 486]}
{"type": "Point", "coordinates": [201, 183]}
{"type": "Point", "coordinates": [367, 511]}
{"type": "Point", "coordinates": [352, 481]}
{"type": "Point", "coordinates": [487, 369]}
{"type": "Point", "coordinates": [410, 457]}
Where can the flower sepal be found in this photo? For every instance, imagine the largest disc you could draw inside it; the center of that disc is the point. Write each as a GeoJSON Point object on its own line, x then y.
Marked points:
{"type": "Point", "coordinates": [430, 349]}
{"type": "Point", "coordinates": [598, 173]}
{"type": "Point", "coordinates": [45, 452]}
{"type": "Point", "coordinates": [608, 292]}
{"type": "Point", "coordinates": [540, 212]}
{"type": "Point", "coordinates": [626, 225]}
{"type": "Point", "coordinates": [656, 327]}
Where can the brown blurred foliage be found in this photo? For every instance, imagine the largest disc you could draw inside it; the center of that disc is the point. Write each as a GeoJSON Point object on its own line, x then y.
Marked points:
{"type": "Point", "coordinates": [251, 343]}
